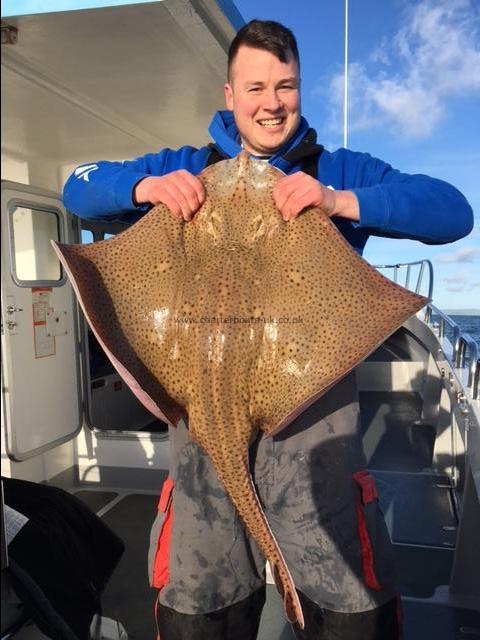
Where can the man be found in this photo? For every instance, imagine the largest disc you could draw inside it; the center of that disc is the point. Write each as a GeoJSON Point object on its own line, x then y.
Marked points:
{"type": "Point", "coordinates": [311, 478]}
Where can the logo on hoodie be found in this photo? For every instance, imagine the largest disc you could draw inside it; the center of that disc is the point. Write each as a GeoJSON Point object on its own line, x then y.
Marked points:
{"type": "Point", "coordinates": [83, 172]}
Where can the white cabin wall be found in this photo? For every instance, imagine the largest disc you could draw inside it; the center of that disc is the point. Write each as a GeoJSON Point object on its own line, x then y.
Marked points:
{"type": "Point", "coordinates": [39, 172]}
{"type": "Point", "coordinates": [140, 451]}
{"type": "Point", "coordinates": [14, 170]}
{"type": "Point", "coordinates": [45, 173]}
{"type": "Point", "coordinates": [67, 169]}
{"type": "Point", "coordinates": [41, 468]}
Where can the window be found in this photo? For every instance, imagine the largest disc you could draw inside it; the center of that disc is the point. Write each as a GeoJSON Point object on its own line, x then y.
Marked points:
{"type": "Point", "coordinates": [32, 230]}
{"type": "Point", "coordinates": [87, 236]}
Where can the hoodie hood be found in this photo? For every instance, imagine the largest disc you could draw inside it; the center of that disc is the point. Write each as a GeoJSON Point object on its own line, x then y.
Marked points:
{"type": "Point", "coordinates": [227, 139]}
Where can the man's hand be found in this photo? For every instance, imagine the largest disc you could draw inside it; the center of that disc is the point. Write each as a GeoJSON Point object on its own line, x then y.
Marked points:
{"type": "Point", "coordinates": [296, 192]}
{"type": "Point", "coordinates": [180, 191]}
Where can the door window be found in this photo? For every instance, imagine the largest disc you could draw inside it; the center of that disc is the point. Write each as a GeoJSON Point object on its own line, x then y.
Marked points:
{"type": "Point", "coordinates": [87, 236]}
{"type": "Point", "coordinates": [33, 257]}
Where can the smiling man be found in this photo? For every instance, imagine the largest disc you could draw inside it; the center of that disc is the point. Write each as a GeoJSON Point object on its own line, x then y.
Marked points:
{"type": "Point", "coordinates": [263, 92]}
{"type": "Point", "coordinates": [312, 477]}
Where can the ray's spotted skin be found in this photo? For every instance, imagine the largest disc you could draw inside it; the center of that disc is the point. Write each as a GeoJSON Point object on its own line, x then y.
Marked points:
{"type": "Point", "coordinates": [237, 319]}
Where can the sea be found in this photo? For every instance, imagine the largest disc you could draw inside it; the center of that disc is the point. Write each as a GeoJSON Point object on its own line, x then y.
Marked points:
{"type": "Point", "coordinates": [467, 322]}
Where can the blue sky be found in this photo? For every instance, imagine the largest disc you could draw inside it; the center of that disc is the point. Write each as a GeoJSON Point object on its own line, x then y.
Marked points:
{"type": "Point", "coordinates": [414, 96]}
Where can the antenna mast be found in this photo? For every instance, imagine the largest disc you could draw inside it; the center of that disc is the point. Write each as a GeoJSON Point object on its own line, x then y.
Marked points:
{"type": "Point", "coordinates": [345, 83]}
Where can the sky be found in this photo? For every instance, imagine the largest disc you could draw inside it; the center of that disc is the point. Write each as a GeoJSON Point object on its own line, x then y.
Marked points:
{"type": "Point", "coordinates": [414, 102]}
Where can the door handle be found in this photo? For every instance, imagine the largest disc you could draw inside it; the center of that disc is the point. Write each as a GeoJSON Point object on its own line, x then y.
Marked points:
{"type": "Point", "coordinates": [11, 309]}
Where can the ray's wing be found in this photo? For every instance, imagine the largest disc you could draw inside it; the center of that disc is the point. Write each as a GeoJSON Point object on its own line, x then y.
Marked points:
{"type": "Point", "coordinates": [128, 289]}
{"type": "Point", "coordinates": [326, 310]}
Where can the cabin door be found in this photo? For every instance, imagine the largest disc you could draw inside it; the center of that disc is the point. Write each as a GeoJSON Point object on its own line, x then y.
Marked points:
{"type": "Point", "coordinates": [40, 355]}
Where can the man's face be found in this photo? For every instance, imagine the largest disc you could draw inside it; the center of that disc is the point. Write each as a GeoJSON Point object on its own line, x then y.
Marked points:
{"type": "Point", "coordinates": [264, 95]}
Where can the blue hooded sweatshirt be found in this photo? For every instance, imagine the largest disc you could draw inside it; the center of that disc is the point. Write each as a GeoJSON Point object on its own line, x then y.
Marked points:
{"type": "Point", "coordinates": [392, 204]}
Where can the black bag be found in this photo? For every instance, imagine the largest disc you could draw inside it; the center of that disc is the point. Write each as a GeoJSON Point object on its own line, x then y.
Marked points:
{"type": "Point", "coordinates": [61, 560]}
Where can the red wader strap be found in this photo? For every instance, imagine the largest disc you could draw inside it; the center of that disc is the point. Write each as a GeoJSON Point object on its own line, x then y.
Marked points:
{"type": "Point", "coordinates": [368, 494]}
{"type": "Point", "coordinates": [160, 567]}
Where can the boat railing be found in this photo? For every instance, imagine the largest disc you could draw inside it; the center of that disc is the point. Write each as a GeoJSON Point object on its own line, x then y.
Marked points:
{"type": "Point", "coordinates": [404, 273]}
{"type": "Point", "coordinates": [465, 350]}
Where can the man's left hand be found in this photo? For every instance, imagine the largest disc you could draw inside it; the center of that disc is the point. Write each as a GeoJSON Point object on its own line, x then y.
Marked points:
{"type": "Point", "coordinates": [298, 191]}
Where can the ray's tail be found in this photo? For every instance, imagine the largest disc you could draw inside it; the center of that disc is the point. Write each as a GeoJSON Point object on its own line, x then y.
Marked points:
{"type": "Point", "coordinates": [236, 478]}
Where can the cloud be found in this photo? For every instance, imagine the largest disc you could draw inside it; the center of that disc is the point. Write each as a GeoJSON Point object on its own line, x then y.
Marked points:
{"type": "Point", "coordinates": [458, 282]}
{"type": "Point", "coordinates": [455, 289]}
{"type": "Point", "coordinates": [459, 277]}
{"type": "Point", "coordinates": [436, 56]}
{"type": "Point", "coordinates": [462, 255]}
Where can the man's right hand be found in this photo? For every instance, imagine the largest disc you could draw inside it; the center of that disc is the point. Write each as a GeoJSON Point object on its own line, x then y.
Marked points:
{"type": "Point", "coordinates": [180, 191]}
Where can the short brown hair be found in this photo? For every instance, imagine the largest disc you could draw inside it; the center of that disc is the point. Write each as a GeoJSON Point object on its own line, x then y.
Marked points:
{"type": "Point", "coordinates": [266, 35]}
